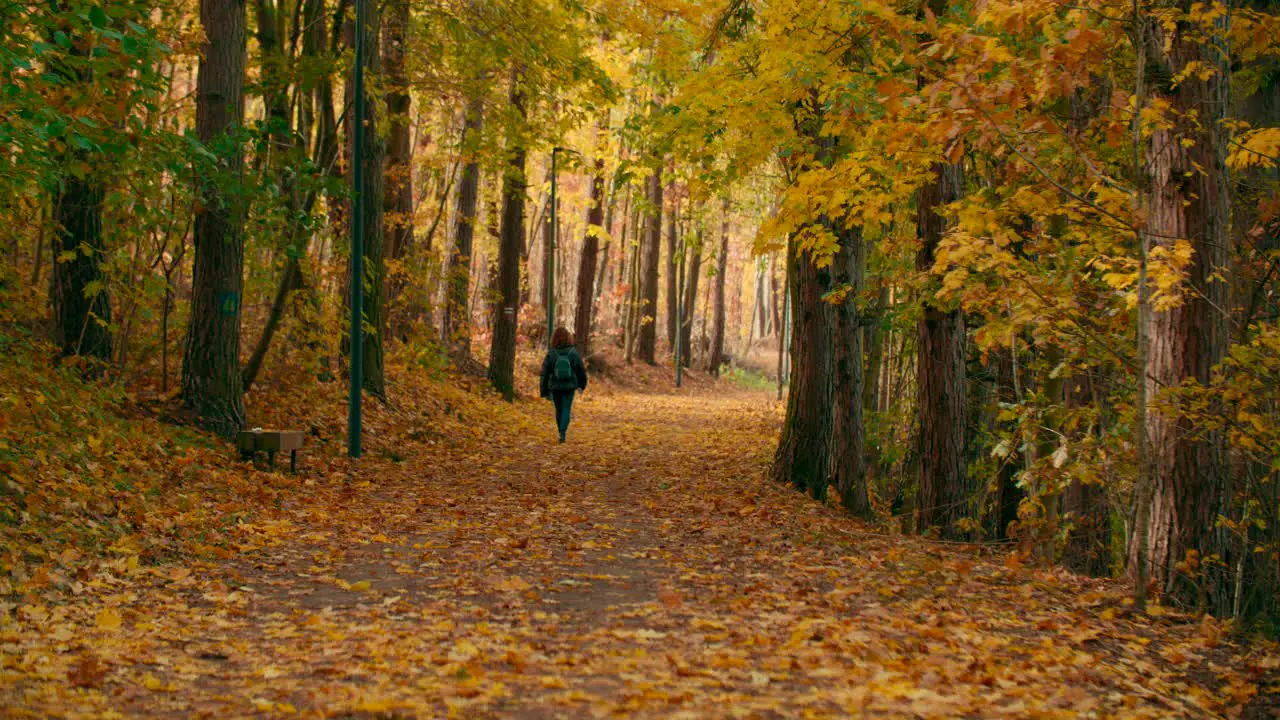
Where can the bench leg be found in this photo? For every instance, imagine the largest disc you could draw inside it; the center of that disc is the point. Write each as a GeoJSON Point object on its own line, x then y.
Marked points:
{"type": "Point", "coordinates": [271, 458]}
{"type": "Point", "coordinates": [293, 462]}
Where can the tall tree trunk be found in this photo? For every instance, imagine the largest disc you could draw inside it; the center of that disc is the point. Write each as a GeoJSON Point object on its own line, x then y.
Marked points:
{"type": "Point", "coordinates": [502, 349]}
{"type": "Point", "coordinates": [693, 271]}
{"type": "Point", "coordinates": [457, 316]}
{"type": "Point", "coordinates": [647, 340]}
{"type": "Point", "coordinates": [1189, 202]}
{"type": "Point", "coordinates": [399, 203]}
{"type": "Point", "coordinates": [673, 232]}
{"type": "Point", "coordinates": [940, 383]}
{"type": "Point", "coordinates": [803, 454]}
{"type": "Point", "coordinates": [374, 183]}
{"type": "Point", "coordinates": [715, 357]}
{"type": "Point", "coordinates": [81, 305]}
{"type": "Point", "coordinates": [211, 384]}
{"type": "Point", "coordinates": [848, 433]}
{"type": "Point", "coordinates": [587, 261]}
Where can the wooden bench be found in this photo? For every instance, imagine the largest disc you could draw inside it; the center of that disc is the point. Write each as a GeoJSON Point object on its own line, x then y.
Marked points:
{"type": "Point", "coordinates": [271, 441]}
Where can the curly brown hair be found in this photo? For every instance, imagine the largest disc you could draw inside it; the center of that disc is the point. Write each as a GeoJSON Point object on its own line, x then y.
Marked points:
{"type": "Point", "coordinates": [561, 339]}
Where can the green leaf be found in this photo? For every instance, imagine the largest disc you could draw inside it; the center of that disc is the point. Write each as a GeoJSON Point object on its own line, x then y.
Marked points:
{"type": "Point", "coordinates": [98, 17]}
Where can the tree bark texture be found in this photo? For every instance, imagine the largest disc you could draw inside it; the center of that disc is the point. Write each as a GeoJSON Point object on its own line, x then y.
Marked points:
{"type": "Point", "coordinates": [803, 454]}
{"type": "Point", "coordinates": [647, 334]}
{"type": "Point", "coordinates": [81, 305]}
{"type": "Point", "coordinates": [1189, 202]}
{"type": "Point", "coordinates": [375, 267]}
{"type": "Point", "coordinates": [943, 494]}
{"type": "Point", "coordinates": [502, 349]}
{"type": "Point", "coordinates": [211, 383]}
{"type": "Point", "coordinates": [848, 433]}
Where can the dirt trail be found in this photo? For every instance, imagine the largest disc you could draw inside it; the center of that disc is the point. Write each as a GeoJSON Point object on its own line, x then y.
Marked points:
{"type": "Point", "coordinates": [642, 569]}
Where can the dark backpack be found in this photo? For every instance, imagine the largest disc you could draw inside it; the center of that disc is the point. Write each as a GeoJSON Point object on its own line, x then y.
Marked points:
{"type": "Point", "coordinates": [562, 376]}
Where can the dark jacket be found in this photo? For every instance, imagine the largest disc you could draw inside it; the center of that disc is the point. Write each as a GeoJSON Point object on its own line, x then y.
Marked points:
{"type": "Point", "coordinates": [549, 366]}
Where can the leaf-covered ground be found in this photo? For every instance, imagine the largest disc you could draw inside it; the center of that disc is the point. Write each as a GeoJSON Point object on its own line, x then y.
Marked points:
{"type": "Point", "coordinates": [473, 567]}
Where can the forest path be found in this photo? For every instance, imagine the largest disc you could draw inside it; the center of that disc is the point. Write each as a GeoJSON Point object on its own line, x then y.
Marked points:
{"type": "Point", "coordinates": [643, 569]}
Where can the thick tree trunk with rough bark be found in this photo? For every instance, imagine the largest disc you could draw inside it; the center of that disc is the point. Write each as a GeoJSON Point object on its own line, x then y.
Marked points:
{"type": "Point", "coordinates": [942, 496]}
{"type": "Point", "coordinates": [587, 261]}
{"type": "Point", "coordinates": [211, 383]}
{"type": "Point", "coordinates": [502, 349]}
{"type": "Point", "coordinates": [81, 305]}
{"type": "Point", "coordinates": [650, 245]}
{"type": "Point", "coordinates": [457, 317]}
{"type": "Point", "coordinates": [848, 434]}
{"type": "Point", "coordinates": [1188, 202]}
{"type": "Point", "coordinates": [715, 358]}
{"type": "Point", "coordinates": [803, 454]}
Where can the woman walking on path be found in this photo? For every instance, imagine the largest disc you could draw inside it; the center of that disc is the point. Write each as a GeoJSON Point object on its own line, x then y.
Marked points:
{"type": "Point", "coordinates": [563, 374]}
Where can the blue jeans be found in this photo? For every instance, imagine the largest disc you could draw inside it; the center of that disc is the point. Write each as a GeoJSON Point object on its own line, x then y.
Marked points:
{"type": "Point", "coordinates": [563, 400]}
